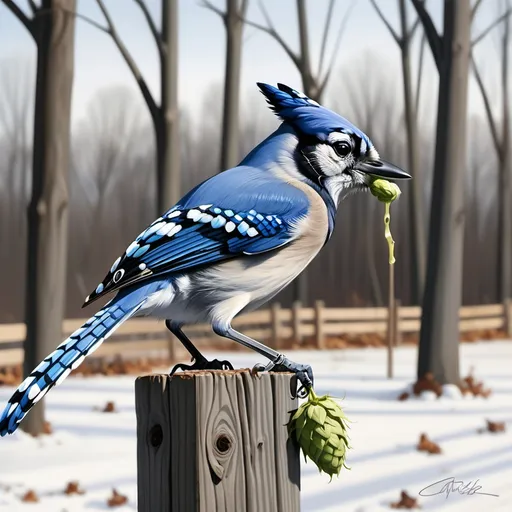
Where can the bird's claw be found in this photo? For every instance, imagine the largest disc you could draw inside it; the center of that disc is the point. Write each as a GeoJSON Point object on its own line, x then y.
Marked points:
{"type": "Point", "coordinates": [203, 364]}
{"type": "Point", "coordinates": [303, 373]}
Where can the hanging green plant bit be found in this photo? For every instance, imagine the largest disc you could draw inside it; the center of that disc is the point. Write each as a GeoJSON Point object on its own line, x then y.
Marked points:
{"type": "Point", "coordinates": [386, 192]}
{"type": "Point", "coordinates": [319, 426]}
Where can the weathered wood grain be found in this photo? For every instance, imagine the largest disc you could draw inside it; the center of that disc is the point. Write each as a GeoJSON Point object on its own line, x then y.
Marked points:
{"type": "Point", "coordinates": [216, 442]}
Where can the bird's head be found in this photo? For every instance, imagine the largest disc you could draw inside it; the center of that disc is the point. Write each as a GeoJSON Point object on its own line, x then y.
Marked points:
{"type": "Point", "coordinates": [329, 150]}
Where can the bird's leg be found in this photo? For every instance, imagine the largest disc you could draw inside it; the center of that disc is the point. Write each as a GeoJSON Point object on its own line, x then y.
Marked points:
{"type": "Point", "coordinates": [278, 362]}
{"type": "Point", "coordinates": [200, 362]}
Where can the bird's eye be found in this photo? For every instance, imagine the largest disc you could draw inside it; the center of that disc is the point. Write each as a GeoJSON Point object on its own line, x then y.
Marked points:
{"type": "Point", "coordinates": [342, 147]}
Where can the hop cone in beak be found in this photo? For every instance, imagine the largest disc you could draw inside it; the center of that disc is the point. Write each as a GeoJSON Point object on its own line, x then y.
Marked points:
{"type": "Point", "coordinates": [319, 426]}
{"type": "Point", "coordinates": [384, 190]}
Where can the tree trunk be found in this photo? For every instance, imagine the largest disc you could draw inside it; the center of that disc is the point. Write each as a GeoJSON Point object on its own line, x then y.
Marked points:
{"type": "Point", "coordinates": [439, 336]}
{"type": "Point", "coordinates": [48, 208]}
{"type": "Point", "coordinates": [505, 180]}
{"type": "Point", "coordinates": [308, 82]}
{"type": "Point", "coordinates": [167, 126]}
{"type": "Point", "coordinates": [416, 210]}
{"type": "Point", "coordinates": [230, 120]}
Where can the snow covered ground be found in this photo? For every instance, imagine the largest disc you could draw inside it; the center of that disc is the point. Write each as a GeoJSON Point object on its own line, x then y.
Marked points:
{"type": "Point", "coordinates": [98, 449]}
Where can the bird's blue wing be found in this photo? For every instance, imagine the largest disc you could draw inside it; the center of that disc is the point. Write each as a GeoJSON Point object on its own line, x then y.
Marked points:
{"type": "Point", "coordinates": [241, 212]}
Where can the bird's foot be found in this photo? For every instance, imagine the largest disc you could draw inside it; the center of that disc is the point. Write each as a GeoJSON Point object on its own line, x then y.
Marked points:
{"type": "Point", "coordinates": [303, 373]}
{"type": "Point", "coordinates": [201, 363]}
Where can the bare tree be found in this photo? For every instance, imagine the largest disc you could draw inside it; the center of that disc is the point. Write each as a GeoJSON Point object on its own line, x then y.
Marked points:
{"type": "Point", "coordinates": [103, 151]}
{"type": "Point", "coordinates": [53, 30]}
{"type": "Point", "coordinates": [313, 83]}
{"type": "Point", "coordinates": [165, 116]}
{"type": "Point", "coordinates": [439, 335]}
{"type": "Point", "coordinates": [233, 18]}
{"type": "Point", "coordinates": [16, 113]}
{"type": "Point", "coordinates": [500, 133]}
{"type": "Point", "coordinates": [416, 209]}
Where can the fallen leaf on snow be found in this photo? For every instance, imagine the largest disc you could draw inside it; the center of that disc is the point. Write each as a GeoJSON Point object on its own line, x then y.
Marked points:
{"type": "Point", "coordinates": [495, 426]}
{"type": "Point", "coordinates": [426, 445]}
{"type": "Point", "coordinates": [406, 501]}
{"type": "Point", "coordinates": [73, 488]}
{"type": "Point", "coordinates": [116, 499]}
{"type": "Point", "coordinates": [30, 497]}
{"type": "Point", "coordinates": [427, 383]}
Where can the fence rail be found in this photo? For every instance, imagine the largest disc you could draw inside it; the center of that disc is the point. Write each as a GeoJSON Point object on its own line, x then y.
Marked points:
{"type": "Point", "coordinates": [271, 326]}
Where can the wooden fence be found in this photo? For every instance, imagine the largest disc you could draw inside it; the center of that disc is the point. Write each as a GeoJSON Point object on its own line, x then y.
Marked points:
{"type": "Point", "coordinates": [271, 326]}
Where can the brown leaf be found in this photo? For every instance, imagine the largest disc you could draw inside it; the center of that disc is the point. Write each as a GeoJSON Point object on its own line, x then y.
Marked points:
{"type": "Point", "coordinates": [406, 501]}
{"type": "Point", "coordinates": [116, 499]}
{"type": "Point", "coordinates": [30, 497]}
{"type": "Point", "coordinates": [109, 407]}
{"type": "Point", "coordinates": [495, 426]}
{"type": "Point", "coordinates": [427, 383]}
{"type": "Point", "coordinates": [403, 396]}
{"type": "Point", "coordinates": [73, 488]}
{"type": "Point", "coordinates": [426, 445]}
{"type": "Point", "coordinates": [470, 386]}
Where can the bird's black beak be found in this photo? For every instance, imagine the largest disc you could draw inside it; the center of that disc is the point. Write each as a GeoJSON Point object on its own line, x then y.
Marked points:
{"type": "Point", "coordinates": [382, 169]}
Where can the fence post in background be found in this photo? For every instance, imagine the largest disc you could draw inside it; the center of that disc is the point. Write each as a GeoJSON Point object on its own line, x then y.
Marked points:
{"type": "Point", "coordinates": [396, 323]}
{"type": "Point", "coordinates": [508, 316]}
{"type": "Point", "coordinates": [319, 324]}
{"type": "Point", "coordinates": [297, 334]}
{"type": "Point", "coordinates": [215, 441]}
{"type": "Point", "coordinates": [275, 324]}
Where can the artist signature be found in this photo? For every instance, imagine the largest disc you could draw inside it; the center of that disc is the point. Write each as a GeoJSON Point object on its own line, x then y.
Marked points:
{"type": "Point", "coordinates": [450, 485]}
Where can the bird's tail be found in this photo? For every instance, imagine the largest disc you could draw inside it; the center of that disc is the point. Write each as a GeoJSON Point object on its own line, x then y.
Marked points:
{"type": "Point", "coordinates": [65, 358]}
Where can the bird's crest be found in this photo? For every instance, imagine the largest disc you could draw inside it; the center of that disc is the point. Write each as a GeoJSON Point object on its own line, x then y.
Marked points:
{"type": "Point", "coordinates": [306, 115]}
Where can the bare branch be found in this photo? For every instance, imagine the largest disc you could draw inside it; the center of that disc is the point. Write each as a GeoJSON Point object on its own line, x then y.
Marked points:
{"type": "Point", "coordinates": [243, 8]}
{"type": "Point", "coordinates": [415, 25]}
{"type": "Point", "coordinates": [325, 37]}
{"type": "Point", "coordinates": [208, 5]}
{"type": "Point", "coordinates": [27, 22]}
{"type": "Point", "coordinates": [474, 9]}
{"type": "Point", "coordinates": [151, 23]}
{"type": "Point", "coordinates": [420, 72]}
{"type": "Point", "coordinates": [146, 93]}
{"type": "Point", "coordinates": [334, 55]}
{"type": "Point", "coordinates": [413, 29]}
{"type": "Point", "coordinates": [488, 109]}
{"type": "Point", "coordinates": [34, 8]}
{"type": "Point", "coordinates": [397, 39]}
{"type": "Point", "coordinates": [497, 21]}
{"type": "Point", "coordinates": [434, 39]}
{"type": "Point", "coordinates": [90, 21]}
{"type": "Point", "coordinates": [271, 31]}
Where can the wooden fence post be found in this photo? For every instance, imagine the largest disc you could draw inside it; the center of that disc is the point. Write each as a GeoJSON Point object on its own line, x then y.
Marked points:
{"type": "Point", "coordinates": [214, 441]}
{"type": "Point", "coordinates": [508, 316]}
{"type": "Point", "coordinates": [319, 324]}
{"type": "Point", "coordinates": [297, 334]}
{"type": "Point", "coordinates": [275, 324]}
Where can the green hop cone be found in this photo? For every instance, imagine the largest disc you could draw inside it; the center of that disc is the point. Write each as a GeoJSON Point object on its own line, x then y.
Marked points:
{"type": "Point", "coordinates": [319, 426]}
{"type": "Point", "coordinates": [384, 190]}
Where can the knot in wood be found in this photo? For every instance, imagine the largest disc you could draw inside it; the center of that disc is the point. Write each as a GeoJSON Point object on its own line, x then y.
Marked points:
{"type": "Point", "coordinates": [156, 436]}
{"type": "Point", "coordinates": [223, 443]}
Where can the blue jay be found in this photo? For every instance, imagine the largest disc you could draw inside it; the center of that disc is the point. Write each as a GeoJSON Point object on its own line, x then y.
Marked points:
{"type": "Point", "coordinates": [229, 245]}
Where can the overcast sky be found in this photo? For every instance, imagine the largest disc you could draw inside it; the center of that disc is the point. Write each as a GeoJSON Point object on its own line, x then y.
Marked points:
{"type": "Point", "coordinates": [202, 41]}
